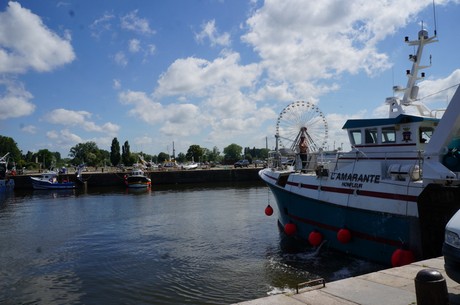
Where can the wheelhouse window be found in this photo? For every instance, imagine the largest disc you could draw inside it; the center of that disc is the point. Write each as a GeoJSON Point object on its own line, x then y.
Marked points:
{"type": "Point", "coordinates": [356, 137]}
{"type": "Point", "coordinates": [425, 134]}
{"type": "Point", "coordinates": [388, 135]}
{"type": "Point", "coordinates": [371, 135]}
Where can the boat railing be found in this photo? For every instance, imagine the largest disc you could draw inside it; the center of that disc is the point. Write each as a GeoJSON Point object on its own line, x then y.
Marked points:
{"type": "Point", "coordinates": [394, 165]}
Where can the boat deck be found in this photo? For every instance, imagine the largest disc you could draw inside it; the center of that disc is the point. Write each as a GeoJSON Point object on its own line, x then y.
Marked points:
{"type": "Point", "coordinates": [394, 286]}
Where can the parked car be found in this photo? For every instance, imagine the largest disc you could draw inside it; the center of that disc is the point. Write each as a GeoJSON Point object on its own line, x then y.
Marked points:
{"type": "Point", "coordinates": [241, 163]}
{"type": "Point", "coordinates": [260, 163]}
{"type": "Point", "coordinates": [451, 248]}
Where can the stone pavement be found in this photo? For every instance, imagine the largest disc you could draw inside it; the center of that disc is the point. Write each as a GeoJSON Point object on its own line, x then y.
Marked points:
{"type": "Point", "coordinates": [394, 286]}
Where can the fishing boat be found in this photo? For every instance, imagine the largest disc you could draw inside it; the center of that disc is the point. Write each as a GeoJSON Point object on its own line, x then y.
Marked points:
{"type": "Point", "coordinates": [6, 182]}
{"type": "Point", "coordinates": [137, 179]}
{"type": "Point", "coordinates": [50, 180]}
{"type": "Point", "coordinates": [386, 200]}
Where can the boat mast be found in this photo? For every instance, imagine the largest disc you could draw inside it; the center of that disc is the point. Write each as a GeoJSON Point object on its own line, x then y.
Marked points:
{"type": "Point", "coordinates": [411, 90]}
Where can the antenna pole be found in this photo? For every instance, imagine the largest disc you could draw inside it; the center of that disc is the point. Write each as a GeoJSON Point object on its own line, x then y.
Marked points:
{"type": "Point", "coordinates": [434, 19]}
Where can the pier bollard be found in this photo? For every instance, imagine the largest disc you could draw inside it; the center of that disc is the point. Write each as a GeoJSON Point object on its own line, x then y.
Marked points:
{"type": "Point", "coordinates": [431, 288]}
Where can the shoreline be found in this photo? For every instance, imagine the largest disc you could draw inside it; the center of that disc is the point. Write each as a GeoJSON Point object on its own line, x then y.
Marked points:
{"type": "Point", "coordinates": [159, 177]}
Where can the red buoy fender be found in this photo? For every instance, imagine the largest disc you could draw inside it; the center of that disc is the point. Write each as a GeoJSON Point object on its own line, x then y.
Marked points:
{"type": "Point", "coordinates": [269, 210]}
{"type": "Point", "coordinates": [315, 238]}
{"type": "Point", "coordinates": [402, 257]}
{"type": "Point", "coordinates": [344, 236]}
{"type": "Point", "coordinates": [290, 228]}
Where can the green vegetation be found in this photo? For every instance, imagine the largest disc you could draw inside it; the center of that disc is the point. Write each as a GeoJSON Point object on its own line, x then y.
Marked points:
{"type": "Point", "coordinates": [115, 156]}
{"type": "Point", "coordinates": [90, 154]}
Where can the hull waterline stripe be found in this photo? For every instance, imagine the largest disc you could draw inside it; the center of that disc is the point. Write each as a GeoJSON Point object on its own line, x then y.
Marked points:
{"type": "Point", "coordinates": [361, 235]}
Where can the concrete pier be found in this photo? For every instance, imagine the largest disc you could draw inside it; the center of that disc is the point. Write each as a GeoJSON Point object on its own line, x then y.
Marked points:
{"type": "Point", "coordinates": [394, 286]}
{"type": "Point", "coordinates": [106, 178]}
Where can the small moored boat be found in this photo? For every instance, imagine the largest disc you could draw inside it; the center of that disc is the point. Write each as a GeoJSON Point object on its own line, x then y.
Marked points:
{"type": "Point", "coordinates": [137, 179]}
{"type": "Point", "coordinates": [51, 181]}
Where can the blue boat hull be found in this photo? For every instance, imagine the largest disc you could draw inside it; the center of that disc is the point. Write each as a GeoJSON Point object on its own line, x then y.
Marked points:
{"type": "Point", "coordinates": [44, 185]}
{"type": "Point", "coordinates": [375, 235]}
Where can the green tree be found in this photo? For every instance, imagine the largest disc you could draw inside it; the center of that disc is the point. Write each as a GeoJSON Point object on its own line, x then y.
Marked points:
{"type": "Point", "coordinates": [232, 153]}
{"type": "Point", "coordinates": [126, 154]}
{"type": "Point", "coordinates": [213, 155]}
{"type": "Point", "coordinates": [181, 158]}
{"type": "Point", "coordinates": [115, 156]}
{"type": "Point", "coordinates": [29, 156]}
{"type": "Point", "coordinates": [104, 157]}
{"type": "Point", "coordinates": [263, 153]}
{"type": "Point", "coordinates": [8, 145]}
{"type": "Point", "coordinates": [194, 153]}
{"type": "Point", "coordinates": [85, 153]}
{"type": "Point", "coordinates": [162, 157]}
{"type": "Point", "coordinates": [248, 157]}
{"type": "Point", "coordinates": [46, 158]}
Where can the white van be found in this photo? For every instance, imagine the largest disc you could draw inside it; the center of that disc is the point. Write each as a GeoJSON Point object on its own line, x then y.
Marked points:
{"type": "Point", "coordinates": [451, 248]}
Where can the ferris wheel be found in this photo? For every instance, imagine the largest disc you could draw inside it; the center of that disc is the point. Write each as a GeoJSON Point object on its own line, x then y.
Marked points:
{"type": "Point", "coordinates": [302, 117]}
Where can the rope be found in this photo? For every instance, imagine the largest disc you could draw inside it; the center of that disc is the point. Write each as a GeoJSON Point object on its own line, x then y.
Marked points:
{"type": "Point", "coordinates": [439, 91]}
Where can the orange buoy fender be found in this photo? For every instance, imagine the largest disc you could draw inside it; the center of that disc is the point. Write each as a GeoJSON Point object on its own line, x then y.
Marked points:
{"type": "Point", "coordinates": [269, 210]}
{"type": "Point", "coordinates": [290, 228]}
{"type": "Point", "coordinates": [315, 238]}
{"type": "Point", "coordinates": [344, 236]}
{"type": "Point", "coordinates": [402, 257]}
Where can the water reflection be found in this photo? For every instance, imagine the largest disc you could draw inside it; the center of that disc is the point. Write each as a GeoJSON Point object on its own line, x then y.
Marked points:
{"type": "Point", "coordinates": [190, 245]}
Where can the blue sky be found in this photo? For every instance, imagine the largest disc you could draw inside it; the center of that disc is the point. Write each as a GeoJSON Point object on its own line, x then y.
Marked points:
{"type": "Point", "coordinates": [207, 72]}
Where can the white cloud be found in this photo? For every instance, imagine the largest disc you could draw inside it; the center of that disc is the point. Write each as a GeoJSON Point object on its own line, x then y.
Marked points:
{"type": "Point", "coordinates": [144, 140]}
{"type": "Point", "coordinates": [116, 84]}
{"type": "Point", "coordinates": [15, 100]}
{"type": "Point", "coordinates": [52, 134]}
{"type": "Point", "coordinates": [110, 128]}
{"type": "Point", "coordinates": [64, 137]}
{"type": "Point", "coordinates": [101, 25]}
{"type": "Point", "coordinates": [209, 31]}
{"type": "Point", "coordinates": [151, 49]}
{"type": "Point", "coordinates": [133, 23]}
{"type": "Point", "coordinates": [312, 41]}
{"type": "Point", "coordinates": [143, 106]}
{"type": "Point", "coordinates": [38, 48]}
{"type": "Point", "coordinates": [120, 59]}
{"type": "Point", "coordinates": [67, 117]}
{"type": "Point", "coordinates": [80, 119]}
{"type": "Point", "coordinates": [432, 91]}
{"type": "Point", "coordinates": [134, 45]}
{"type": "Point", "coordinates": [29, 129]}
{"type": "Point", "coordinates": [175, 119]}
{"type": "Point", "coordinates": [198, 77]}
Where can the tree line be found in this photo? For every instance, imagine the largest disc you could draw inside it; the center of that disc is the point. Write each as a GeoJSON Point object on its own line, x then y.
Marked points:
{"type": "Point", "coordinates": [90, 154]}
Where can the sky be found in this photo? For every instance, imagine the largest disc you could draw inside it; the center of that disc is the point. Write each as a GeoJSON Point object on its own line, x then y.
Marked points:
{"type": "Point", "coordinates": [208, 72]}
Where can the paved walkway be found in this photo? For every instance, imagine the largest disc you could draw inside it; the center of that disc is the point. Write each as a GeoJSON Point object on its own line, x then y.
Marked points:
{"type": "Point", "coordinates": [394, 286]}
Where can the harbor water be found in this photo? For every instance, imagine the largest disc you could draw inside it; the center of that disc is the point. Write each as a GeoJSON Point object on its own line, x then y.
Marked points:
{"type": "Point", "coordinates": [207, 244]}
